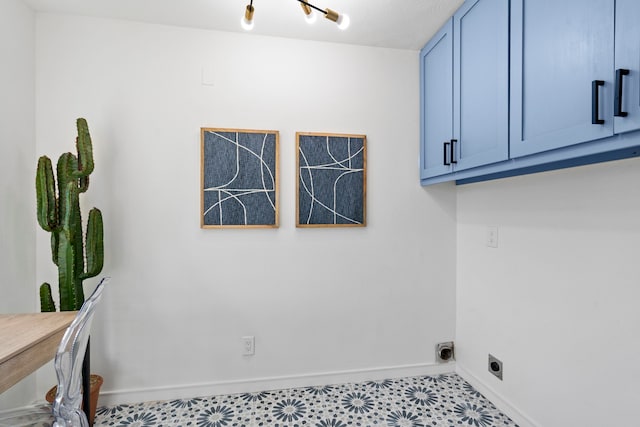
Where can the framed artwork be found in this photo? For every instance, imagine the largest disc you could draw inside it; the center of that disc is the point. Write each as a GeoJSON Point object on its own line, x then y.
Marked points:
{"type": "Point", "coordinates": [239, 178]}
{"type": "Point", "coordinates": [331, 185]}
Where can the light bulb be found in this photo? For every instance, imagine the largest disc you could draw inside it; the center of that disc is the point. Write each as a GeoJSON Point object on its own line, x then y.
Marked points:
{"type": "Point", "coordinates": [247, 20]}
{"type": "Point", "coordinates": [246, 24]}
{"type": "Point", "coordinates": [310, 18]}
{"type": "Point", "coordinates": [343, 22]}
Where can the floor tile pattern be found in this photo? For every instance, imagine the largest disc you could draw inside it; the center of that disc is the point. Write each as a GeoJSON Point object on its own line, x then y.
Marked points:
{"type": "Point", "coordinates": [443, 400]}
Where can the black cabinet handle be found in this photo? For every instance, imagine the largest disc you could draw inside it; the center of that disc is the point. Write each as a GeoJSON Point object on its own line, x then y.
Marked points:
{"type": "Point", "coordinates": [595, 102]}
{"type": "Point", "coordinates": [453, 154]}
{"type": "Point", "coordinates": [451, 149]}
{"type": "Point", "coordinates": [444, 153]}
{"type": "Point", "coordinates": [617, 99]}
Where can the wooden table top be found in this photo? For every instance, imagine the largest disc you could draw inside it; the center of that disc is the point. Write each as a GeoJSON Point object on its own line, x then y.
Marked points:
{"type": "Point", "coordinates": [28, 341]}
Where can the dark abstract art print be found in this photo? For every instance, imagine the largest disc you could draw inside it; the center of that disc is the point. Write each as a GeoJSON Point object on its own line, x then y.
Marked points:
{"type": "Point", "coordinates": [239, 178]}
{"type": "Point", "coordinates": [331, 187]}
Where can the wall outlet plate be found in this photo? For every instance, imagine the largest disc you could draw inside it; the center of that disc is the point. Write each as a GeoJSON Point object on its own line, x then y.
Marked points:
{"type": "Point", "coordinates": [445, 352]}
{"type": "Point", "coordinates": [495, 366]}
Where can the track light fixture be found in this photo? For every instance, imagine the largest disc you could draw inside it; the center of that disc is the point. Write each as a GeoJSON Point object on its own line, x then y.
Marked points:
{"type": "Point", "coordinates": [341, 20]}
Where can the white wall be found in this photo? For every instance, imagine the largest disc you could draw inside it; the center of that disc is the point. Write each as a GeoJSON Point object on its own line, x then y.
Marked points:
{"type": "Point", "coordinates": [18, 288]}
{"type": "Point", "coordinates": [557, 301]}
{"type": "Point", "coordinates": [181, 297]}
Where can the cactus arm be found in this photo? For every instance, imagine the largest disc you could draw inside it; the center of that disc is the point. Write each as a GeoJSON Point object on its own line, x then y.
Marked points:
{"type": "Point", "coordinates": [85, 151]}
{"type": "Point", "coordinates": [46, 300]}
{"type": "Point", "coordinates": [46, 195]}
{"type": "Point", "coordinates": [66, 169]}
{"type": "Point", "coordinates": [94, 246]}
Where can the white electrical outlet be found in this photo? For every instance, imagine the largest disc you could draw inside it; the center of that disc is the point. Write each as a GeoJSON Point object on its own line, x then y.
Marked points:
{"type": "Point", "coordinates": [248, 345]}
{"type": "Point", "coordinates": [492, 236]}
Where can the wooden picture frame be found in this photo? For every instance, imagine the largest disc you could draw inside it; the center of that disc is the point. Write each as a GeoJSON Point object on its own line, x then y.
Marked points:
{"type": "Point", "coordinates": [332, 178]}
{"type": "Point", "coordinates": [239, 178]}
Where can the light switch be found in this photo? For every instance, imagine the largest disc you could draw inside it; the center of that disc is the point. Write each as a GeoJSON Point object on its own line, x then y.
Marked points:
{"type": "Point", "coordinates": [208, 75]}
{"type": "Point", "coordinates": [492, 236]}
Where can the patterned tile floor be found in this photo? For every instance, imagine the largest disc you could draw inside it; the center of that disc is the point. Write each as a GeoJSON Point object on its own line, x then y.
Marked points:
{"type": "Point", "coordinates": [443, 400]}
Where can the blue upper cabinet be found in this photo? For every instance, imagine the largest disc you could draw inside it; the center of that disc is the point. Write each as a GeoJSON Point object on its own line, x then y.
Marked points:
{"type": "Point", "coordinates": [436, 102]}
{"type": "Point", "coordinates": [510, 87]}
{"type": "Point", "coordinates": [464, 75]}
{"type": "Point", "coordinates": [562, 85]}
{"type": "Point", "coordinates": [626, 103]}
{"type": "Point", "coordinates": [481, 83]}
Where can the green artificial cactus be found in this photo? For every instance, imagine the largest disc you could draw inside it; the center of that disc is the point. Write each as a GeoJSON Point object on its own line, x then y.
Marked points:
{"type": "Point", "coordinates": [77, 258]}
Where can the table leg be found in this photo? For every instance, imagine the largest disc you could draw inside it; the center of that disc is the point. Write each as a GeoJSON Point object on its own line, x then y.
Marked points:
{"type": "Point", "coordinates": [86, 383]}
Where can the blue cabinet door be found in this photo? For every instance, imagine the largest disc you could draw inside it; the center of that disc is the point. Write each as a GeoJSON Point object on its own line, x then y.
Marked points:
{"type": "Point", "coordinates": [481, 83]}
{"type": "Point", "coordinates": [558, 50]}
{"type": "Point", "coordinates": [436, 103]}
{"type": "Point", "coordinates": [627, 69]}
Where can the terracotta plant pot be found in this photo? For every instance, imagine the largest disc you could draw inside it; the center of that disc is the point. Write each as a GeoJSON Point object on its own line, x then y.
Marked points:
{"type": "Point", "coordinates": [94, 391]}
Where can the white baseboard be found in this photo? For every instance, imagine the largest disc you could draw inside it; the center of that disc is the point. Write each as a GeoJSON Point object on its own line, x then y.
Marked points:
{"type": "Point", "coordinates": [501, 403]}
{"type": "Point", "coordinates": [185, 391]}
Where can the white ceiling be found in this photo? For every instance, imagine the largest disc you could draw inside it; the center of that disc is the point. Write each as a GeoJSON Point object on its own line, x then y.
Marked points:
{"type": "Point", "coordinates": [401, 24]}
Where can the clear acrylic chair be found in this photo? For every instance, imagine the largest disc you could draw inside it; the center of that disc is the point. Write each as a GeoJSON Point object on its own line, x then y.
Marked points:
{"type": "Point", "coordinates": [65, 410]}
